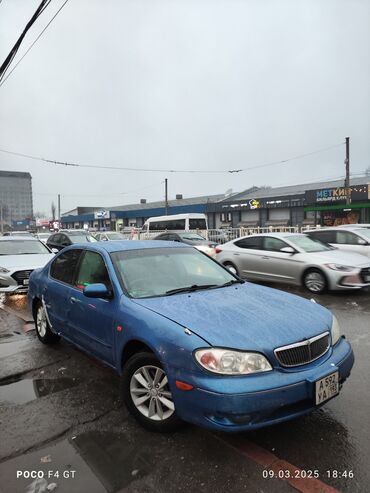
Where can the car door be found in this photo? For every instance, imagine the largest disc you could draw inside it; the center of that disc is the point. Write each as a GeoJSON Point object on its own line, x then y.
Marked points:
{"type": "Point", "coordinates": [278, 265]}
{"type": "Point", "coordinates": [350, 242]}
{"type": "Point", "coordinates": [91, 320]}
{"type": "Point", "coordinates": [247, 256]}
{"type": "Point", "coordinates": [56, 292]}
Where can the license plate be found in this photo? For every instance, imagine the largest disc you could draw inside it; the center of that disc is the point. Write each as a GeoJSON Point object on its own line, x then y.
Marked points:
{"type": "Point", "coordinates": [327, 387]}
{"type": "Point", "coordinates": [26, 282]}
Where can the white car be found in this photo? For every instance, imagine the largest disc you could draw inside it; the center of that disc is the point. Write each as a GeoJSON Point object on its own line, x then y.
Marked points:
{"type": "Point", "coordinates": [354, 239]}
{"type": "Point", "coordinates": [18, 258]}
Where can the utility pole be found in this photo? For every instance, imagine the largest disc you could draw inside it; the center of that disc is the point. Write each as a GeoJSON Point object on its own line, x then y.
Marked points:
{"type": "Point", "coordinates": [1, 217]}
{"type": "Point", "coordinates": [59, 208]}
{"type": "Point", "coordinates": [166, 196]}
{"type": "Point", "coordinates": [347, 182]}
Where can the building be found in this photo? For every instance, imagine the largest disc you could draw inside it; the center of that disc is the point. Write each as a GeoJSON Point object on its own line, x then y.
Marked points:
{"type": "Point", "coordinates": [133, 215]}
{"type": "Point", "coordinates": [318, 203]}
{"type": "Point", "coordinates": [16, 209]}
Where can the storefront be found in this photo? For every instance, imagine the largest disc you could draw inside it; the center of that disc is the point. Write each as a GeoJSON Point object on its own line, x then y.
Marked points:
{"type": "Point", "coordinates": [329, 206]}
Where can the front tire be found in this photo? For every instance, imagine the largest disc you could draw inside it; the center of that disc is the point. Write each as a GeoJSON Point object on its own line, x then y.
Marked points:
{"type": "Point", "coordinates": [315, 281]}
{"type": "Point", "coordinates": [43, 330]}
{"type": "Point", "coordinates": [147, 395]}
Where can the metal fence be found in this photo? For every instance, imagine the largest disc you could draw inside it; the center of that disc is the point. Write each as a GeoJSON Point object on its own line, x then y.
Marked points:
{"type": "Point", "coordinates": [220, 235]}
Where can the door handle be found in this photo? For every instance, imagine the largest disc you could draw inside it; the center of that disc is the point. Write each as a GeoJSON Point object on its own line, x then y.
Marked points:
{"type": "Point", "coordinates": [265, 258]}
{"type": "Point", "coordinates": [73, 299]}
{"type": "Point", "coordinates": [236, 254]}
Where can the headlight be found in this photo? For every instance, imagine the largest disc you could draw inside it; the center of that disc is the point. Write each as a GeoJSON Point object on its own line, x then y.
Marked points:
{"type": "Point", "coordinates": [230, 362]}
{"type": "Point", "coordinates": [335, 331]}
{"type": "Point", "coordinates": [3, 270]}
{"type": "Point", "coordinates": [342, 268]}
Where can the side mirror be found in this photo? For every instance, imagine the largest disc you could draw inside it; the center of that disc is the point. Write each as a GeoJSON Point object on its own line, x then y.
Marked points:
{"type": "Point", "coordinates": [360, 241]}
{"type": "Point", "coordinates": [54, 250]}
{"type": "Point", "coordinates": [287, 250]}
{"type": "Point", "coordinates": [97, 290]}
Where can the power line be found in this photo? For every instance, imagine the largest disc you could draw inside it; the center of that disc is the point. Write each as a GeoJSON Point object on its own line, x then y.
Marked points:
{"type": "Point", "coordinates": [77, 165]}
{"type": "Point", "coordinates": [38, 37]}
{"type": "Point", "coordinates": [8, 60]}
{"type": "Point", "coordinates": [98, 195]}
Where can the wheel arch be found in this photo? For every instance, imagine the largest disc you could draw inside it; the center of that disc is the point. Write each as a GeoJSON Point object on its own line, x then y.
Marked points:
{"type": "Point", "coordinates": [132, 347]}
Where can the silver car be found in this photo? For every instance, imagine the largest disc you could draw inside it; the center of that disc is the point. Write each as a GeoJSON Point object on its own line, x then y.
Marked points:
{"type": "Point", "coordinates": [294, 258]}
{"type": "Point", "coordinates": [18, 258]}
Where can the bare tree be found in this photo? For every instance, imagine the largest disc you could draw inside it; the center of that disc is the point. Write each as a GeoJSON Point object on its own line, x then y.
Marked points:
{"type": "Point", "coordinates": [53, 211]}
{"type": "Point", "coordinates": [367, 171]}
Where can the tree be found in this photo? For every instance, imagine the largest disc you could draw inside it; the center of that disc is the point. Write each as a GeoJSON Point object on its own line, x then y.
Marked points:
{"type": "Point", "coordinates": [367, 171]}
{"type": "Point", "coordinates": [53, 210]}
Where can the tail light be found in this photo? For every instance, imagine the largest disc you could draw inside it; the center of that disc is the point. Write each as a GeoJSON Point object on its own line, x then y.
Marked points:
{"type": "Point", "coordinates": [218, 250]}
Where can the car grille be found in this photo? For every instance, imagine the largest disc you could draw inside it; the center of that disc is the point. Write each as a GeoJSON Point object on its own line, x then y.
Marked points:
{"type": "Point", "coordinates": [21, 275]}
{"type": "Point", "coordinates": [365, 274]}
{"type": "Point", "coordinates": [303, 352]}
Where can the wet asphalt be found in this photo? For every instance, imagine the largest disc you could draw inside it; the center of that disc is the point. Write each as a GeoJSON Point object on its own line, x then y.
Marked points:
{"type": "Point", "coordinates": [60, 415]}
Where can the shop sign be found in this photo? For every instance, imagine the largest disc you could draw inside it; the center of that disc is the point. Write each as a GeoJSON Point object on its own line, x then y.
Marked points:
{"type": "Point", "coordinates": [102, 214]}
{"type": "Point", "coordinates": [249, 204]}
{"type": "Point", "coordinates": [358, 192]}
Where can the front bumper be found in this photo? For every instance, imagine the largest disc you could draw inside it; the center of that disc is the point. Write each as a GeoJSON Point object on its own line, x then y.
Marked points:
{"type": "Point", "coordinates": [346, 280]}
{"type": "Point", "coordinates": [270, 398]}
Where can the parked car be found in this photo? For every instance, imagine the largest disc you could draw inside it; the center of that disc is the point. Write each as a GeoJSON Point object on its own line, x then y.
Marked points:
{"type": "Point", "coordinates": [218, 235]}
{"type": "Point", "coordinates": [18, 233]}
{"type": "Point", "coordinates": [66, 238]}
{"type": "Point", "coordinates": [295, 258]}
{"type": "Point", "coordinates": [43, 236]}
{"type": "Point", "coordinates": [350, 238]}
{"type": "Point", "coordinates": [19, 256]}
{"type": "Point", "coordinates": [190, 340]}
{"type": "Point", "coordinates": [109, 236]}
{"type": "Point", "coordinates": [193, 239]}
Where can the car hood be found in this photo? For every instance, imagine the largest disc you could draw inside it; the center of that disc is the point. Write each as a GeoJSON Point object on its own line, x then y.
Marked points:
{"type": "Point", "coordinates": [341, 257]}
{"type": "Point", "coordinates": [31, 261]}
{"type": "Point", "coordinates": [246, 316]}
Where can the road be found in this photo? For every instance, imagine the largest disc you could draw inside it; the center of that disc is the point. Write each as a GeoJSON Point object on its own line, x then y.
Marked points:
{"type": "Point", "coordinates": [60, 416]}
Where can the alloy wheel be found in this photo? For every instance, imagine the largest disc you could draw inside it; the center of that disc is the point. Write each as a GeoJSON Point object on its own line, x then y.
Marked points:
{"type": "Point", "coordinates": [150, 393]}
{"type": "Point", "coordinates": [41, 322]}
{"type": "Point", "coordinates": [315, 282]}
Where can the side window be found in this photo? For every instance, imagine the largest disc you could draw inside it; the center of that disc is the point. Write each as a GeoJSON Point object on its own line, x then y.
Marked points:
{"type": "Point", "coordinates": [56, 238]}
{"type": "Point", "coordinates": [253, 243]}
{"type": "Point", "coordinates": [347, 238]}
{"type": "Point", "coordinates": [173, 237]}
{"type": "Point", "coordinates": [325, 236]}
{"type": "Point", "coordinates": [64, 266]}
{"type": "Point", "coordinates": [273, 244]}
{"type": "Point", "coordinates": [92, 270]}
{"type": "Point", "coordinates": [64, 240]}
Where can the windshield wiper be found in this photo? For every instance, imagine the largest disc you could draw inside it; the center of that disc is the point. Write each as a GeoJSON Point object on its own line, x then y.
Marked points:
{"type": "Point", "coordinates": [194, 287]}
{"type": "Point", "coordinates": [230, 283]}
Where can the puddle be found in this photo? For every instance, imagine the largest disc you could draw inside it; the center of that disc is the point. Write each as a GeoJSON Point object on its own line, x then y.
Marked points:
{"type": "Point", "coordinates": [21, 391]}
{"type": "Point", "coordinates": [99, 462]}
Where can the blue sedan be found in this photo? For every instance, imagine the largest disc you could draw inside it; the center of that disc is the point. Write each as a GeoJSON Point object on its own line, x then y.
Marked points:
{"type": "Point", "coordinates": [191, 341]}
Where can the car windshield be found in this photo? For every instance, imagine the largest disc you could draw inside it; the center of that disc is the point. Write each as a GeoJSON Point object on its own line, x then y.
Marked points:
{"type": "Point", "coordinates": [22, 247]}
{"type": "Point", "coordinates": [363, 232]}
{"type": "Point", "coordinates": [164, 271]}
{"type": "Point", "coordinates": [191, 236]}
{"type": "Point", "coordinates": [115, 236]}
{"type": "Point", "coordinates": [308, 244]}
{"type": "Point", "coordinates": [79, 237]}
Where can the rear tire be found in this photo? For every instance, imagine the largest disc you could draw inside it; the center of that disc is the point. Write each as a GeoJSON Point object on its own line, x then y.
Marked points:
{"type": "Point", "coordinates": [145, 391]}
{"type": "Point", "coordinates": [43, 330]}
{"type": "Point", "coordinates": [315, 281]}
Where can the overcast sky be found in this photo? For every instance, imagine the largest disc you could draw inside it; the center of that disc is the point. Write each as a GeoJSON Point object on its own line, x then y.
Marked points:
{"type": "Point", "coordinates": [184, 84]}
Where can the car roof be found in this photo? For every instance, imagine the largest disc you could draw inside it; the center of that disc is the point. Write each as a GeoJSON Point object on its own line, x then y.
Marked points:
{"type": "Point", "coordinates": [275, 235]}
{"type": "Point", "coordinates": [18, 238]}
{"type": "Point", "coordinates": [127, 245]}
